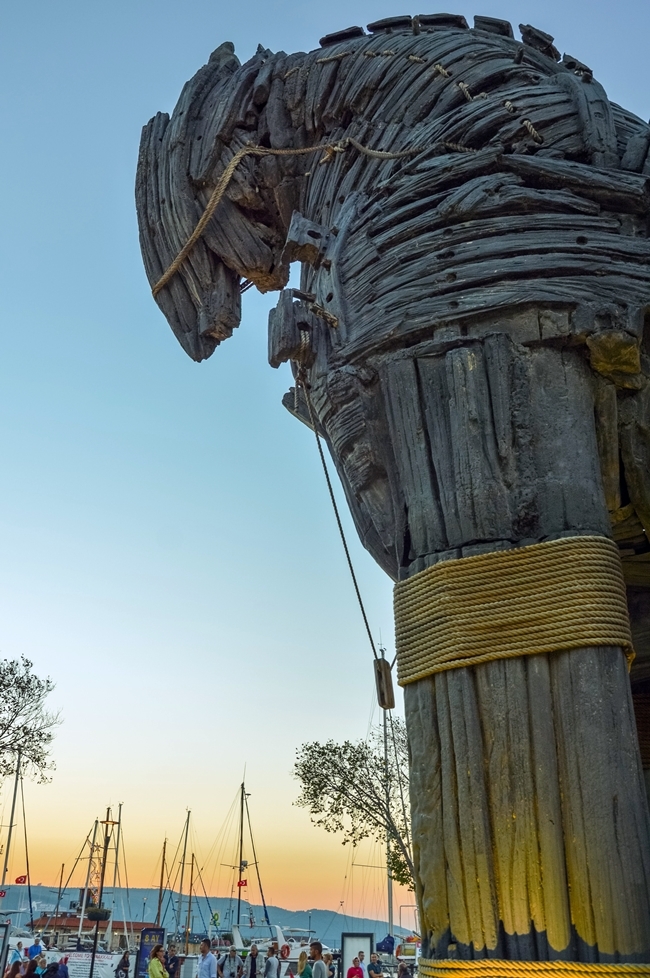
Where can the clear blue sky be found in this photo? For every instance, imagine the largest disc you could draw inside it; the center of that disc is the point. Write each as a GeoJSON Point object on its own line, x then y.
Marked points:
{"type": "Point", "coordinates": [167, 553]}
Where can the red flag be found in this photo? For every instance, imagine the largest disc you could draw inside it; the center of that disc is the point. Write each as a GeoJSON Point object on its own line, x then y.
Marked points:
{"type": "Point", "coordinates": [242, 883]}
{"type": "Point", "coordinates": [21, 879]}
{"type": "Point", "coordinates": [3, 893]}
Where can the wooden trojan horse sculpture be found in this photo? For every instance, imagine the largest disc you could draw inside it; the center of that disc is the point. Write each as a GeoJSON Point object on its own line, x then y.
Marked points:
{"type": "Point", "coordinates": [472, 216]}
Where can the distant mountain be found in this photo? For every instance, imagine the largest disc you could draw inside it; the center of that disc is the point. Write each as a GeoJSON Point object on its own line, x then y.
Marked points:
{"type": "Point", "coordinates": [142, 904]}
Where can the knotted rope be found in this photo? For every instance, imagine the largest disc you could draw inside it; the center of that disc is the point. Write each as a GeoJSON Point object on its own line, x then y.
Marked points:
{"type": "Point", "coordinates": [329, 149]}
{"type": "Point", "coordinates": [485, 968]}
{"type": "Point", "coordinates": [561, 594]}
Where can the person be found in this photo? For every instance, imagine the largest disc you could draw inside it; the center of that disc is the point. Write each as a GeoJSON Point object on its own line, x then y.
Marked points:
{"type": "Point", "coordinates": [252, 967]}
{"type": "Point", "coordinates": [318, 968]}
{"type": "Point", "coordinates": [362, 964]}
{"type": "Point", "coordinates": [403, 970]}
{"type": "Point", "coordinates": [173, 963]}
{"type": "Point", "coordinates": [122, 970]}
{"type": "Point", "coordinates": [13, 970]}
{"type": "Point", "coordinates": [63, 968]}
{"type": "Point", "coordinates": [230, 965]}
{"type": "Point", "coordinates": [156, 967]}
{"type": "Point", "coordinates": [329, 964]}
{"type": "Point", "coordinates": [35, 949]}
{"type": "Point", "coordinates": [30, 970]}
{"type": "Point", "coordinates": [41, 964]}
{"type": "Point", "coordinates": [304, 967]}
{"type": "Point", "coordinates": [52, 970]}
{"type": "Point", "coordinates": [354, 971]}
{"type": "Point", "coordinates": [16, 953]}
{"type": "Point", "coordinates": [272, 964]}
{"type": "Point", "coordinates": [374, 968]}
{"type": "Point", "coordinates": [207, 961]}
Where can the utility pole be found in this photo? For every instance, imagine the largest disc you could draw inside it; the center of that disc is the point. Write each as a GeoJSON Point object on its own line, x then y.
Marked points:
{"type": "Point", "coordinates": [389, 881]}
{"type": "Point", "coordinates": [107, 823]}
{"type": "Point", "coordinates": [11, 820]}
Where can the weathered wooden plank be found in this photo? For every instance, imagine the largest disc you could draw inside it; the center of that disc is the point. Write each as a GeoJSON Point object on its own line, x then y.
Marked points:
{"type": "Point", "coordinates": [416, 475]}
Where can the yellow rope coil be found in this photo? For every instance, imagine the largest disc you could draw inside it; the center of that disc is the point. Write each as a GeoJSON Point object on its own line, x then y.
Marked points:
{"type": "Point", "coordinates": [562, 594]}
{"type": "Point", "coordinates": [428, 968]}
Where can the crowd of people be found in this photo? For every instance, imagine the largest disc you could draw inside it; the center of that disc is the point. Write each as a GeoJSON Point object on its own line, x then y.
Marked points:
{"type": "Point", "coordinates": [26, 962]}
{"type": "Point", "coordinates": [164, 964]}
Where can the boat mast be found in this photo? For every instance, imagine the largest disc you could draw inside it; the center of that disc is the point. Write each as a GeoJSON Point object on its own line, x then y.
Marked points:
{"type": "Point", "coordinates": [180, 895]}
{"type": "Point", "coordinates": [189, 908]}
{"type": "Point", "coordinates": [241, 850]}
{"type": "Point", "coordinates": [257, 868]}
{"type": "Point", "coordinates": [162, 880]}
{"type": "Point", "coordinates": [58, 898]}
{"type": "Point", "coordinates": [90, 862]}
{"type": "Point", "coordinates": [108, 824]}
{"type": "Point", "coordinates": [109, 928]}
{"type": "Point", "coordinates": [29, 879]}
{"type": "Point", "coordinates": [11, 820]}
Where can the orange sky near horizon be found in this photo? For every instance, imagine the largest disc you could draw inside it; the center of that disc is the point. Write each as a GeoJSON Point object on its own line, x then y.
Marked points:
{"type": "Point", "coordinates": [302, 866]}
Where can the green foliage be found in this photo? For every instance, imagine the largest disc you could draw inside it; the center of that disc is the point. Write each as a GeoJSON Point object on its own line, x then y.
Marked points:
{"type": "Point", "coordinates": [355, 789]}
{"type": "Point", "coordinates": [25, 724]}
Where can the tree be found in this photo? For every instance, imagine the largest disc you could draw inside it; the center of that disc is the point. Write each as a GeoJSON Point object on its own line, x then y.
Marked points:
{"type": "Point", "coordinates": [343, 786]}
{"type": "Point", "coordinates": [25, 724]}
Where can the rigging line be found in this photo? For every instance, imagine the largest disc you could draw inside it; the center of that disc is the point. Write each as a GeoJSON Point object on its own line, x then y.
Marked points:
{"type": "Point", "coordinates": [126, 880]}
{"type": "Point", "coordinates": [67, 882]}
{"type": "Point", "coordinates": [220, 840]}
{"type": "Point", "coordinates": [257, 868]}
{"type": "Point", "coordinates": [205, 894]}
{"type": "Point", "coordinates": [198, 907]}
{"type": "Point", "coordinates": [29, 881]}
{"type": "Point", "coordinates": [399, 781]}
{"type": "Point", "coordinates": [301, 379]}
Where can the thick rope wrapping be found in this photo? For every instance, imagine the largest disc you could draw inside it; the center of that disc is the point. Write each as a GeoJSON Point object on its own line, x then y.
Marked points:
{"type": "Point", "coordinates": [561, 594]}
{"type": "Point", "coordinates": [486, 968]}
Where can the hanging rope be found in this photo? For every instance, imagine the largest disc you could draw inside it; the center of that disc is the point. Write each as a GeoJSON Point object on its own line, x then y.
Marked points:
{"type": "Point", "coordinates": [300, 379]}
{"type": "Point", "coordinates": [329, 149]}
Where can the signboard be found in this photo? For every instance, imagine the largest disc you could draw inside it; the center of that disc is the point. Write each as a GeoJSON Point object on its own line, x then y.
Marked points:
{"type": "Point", "coordinates": [149, 937]}
{"type": "Point", "coordinates": [351, 944]}
{"type": "Point", "coordinates": [79, 964]}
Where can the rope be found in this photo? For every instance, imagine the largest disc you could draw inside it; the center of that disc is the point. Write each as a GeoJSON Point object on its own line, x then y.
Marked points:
{"type": "Point", "coordinates": [561, 594]}
{"type": "Point", "coordinates": [445, 968]}
{"type": "Point", "coordinates": [328, 148]}
{"type": "Point", "coordinates": [312, 420]}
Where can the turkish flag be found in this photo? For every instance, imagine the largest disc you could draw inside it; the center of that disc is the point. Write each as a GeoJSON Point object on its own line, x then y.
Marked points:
{"type": "Point", "coordinates": [3, 893]}
{"type": "Point", "coordinates": [21, 879]}
{"type": "Point", "coordinates": [242, 883]}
